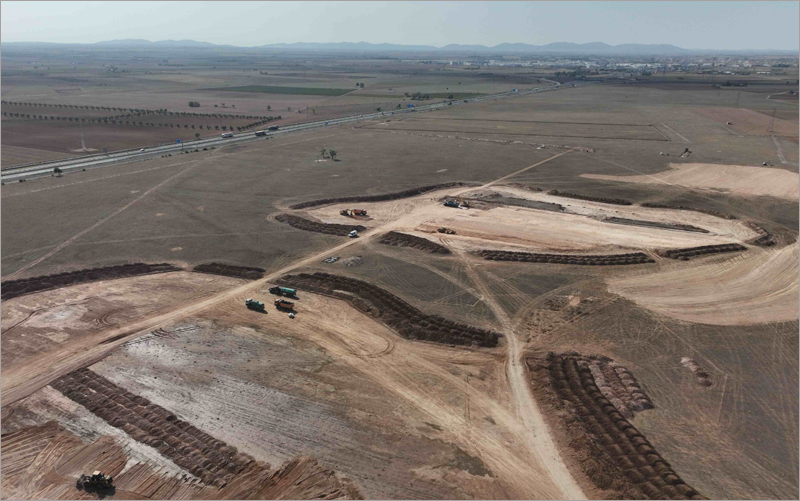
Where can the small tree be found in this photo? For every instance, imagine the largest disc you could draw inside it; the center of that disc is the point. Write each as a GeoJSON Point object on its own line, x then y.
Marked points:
{"type": "Point", "coordinates": [269, 107]}
{"type": "Point", "coordinates": [332, 153]}
{"type": "Point", "coordinates": [57, 171]}
{"type": "Point", "coordinates": [324, 153]}
{"type": "Point", "coordinates": [196, 134]}
{"type": "Point", "coordinates": [377, 109]}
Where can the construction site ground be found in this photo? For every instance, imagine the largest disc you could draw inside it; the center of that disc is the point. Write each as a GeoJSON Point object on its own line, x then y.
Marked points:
{"type": "Point", "coordinates": [337, 397]}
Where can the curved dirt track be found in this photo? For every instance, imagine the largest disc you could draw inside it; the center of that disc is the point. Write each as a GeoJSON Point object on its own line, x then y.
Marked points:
{"type": "Point", "coordinates": [758, 287]}
{"type": "Point", "coordinates": [738, 179]}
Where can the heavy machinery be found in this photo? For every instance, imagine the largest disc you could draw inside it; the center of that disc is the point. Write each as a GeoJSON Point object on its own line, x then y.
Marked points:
{"type": "Point", "coordinates": [254, 305]}
{"type": "Point", "coordinates": [353, 212]}
{"type": "Point", "coordinates": [359, 212]}
{"type": "Point", "coordinates": [451, 203]}
{"type": "Point", "coordinates": [446, 231]}
{"type": "Point", "coordinates": [283, 304]}
{"type": "Point", "coordinates": [282, 291]}
{"type": "Point", "coordinates": [94, 481]}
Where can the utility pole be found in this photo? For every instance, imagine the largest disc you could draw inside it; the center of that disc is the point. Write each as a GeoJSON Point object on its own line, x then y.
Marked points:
{"type": "Point", "coordinates": [83, 143]}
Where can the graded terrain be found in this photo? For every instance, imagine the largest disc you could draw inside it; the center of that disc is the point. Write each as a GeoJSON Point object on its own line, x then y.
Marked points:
{"type": "Point", "coordinates": [547, 298]}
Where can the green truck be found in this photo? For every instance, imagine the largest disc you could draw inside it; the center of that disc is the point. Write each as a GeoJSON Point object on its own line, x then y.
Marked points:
{"type": "Point", "coordinates": [283, 291]}
{"type": "Point", "coordinates": [254, 305]}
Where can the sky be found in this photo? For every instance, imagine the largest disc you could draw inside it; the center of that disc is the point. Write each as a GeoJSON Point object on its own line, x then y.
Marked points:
{"type": "Point", "coordinates": [691, 25]}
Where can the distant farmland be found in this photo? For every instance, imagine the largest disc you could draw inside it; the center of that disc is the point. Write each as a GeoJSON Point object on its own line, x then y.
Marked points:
{"type": "Point", "coordinates": [265, 89]}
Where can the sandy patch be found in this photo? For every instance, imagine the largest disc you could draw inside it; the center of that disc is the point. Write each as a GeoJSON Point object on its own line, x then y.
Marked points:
{"type": "Point", "coordinates": [757, 287]}
{"type": "Point", "coordinates": [735, 179]}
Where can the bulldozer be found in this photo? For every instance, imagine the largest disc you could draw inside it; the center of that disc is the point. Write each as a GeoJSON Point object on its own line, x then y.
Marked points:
{"type": "Point", "coordinates": [446, 231]}
{"type": "Point", "coordinates": [451, 203]}
{"type": "Point", "coordinates": [94, 481]}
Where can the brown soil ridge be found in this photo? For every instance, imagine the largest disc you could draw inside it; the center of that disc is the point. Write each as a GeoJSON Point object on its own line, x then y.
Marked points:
{"type": "Point", "coordinates": [615, 201]}
{"type": "Point", "coordinates": [579, 259]}
{"type": "Point", "coordinates": [689, 252]}
{"type": "Point", "coordinates": [683, 207]}
{"type": "Point", "coordinates": [22, 286]}
{"type": "Point", "coordinates": [230, 270]}
{"type": "Point", "coordinates": [300, 223]}
{"type": "Point", "coordinates": [764, 238]}
{"type": "Point", "coordinates": [702, 377]}
{"type": "Point", "coordinates": [655, 224]}
{"type": "Point", "coordinates": [377, 198]}
{"type": "Point", "coordinates": [398, 239]}
{"type": "Point", "coordinates": [406, 320]}
{"type": "Point", "coordinates": [217, 464]}
{"type": "Point", "coordinates": [611, 451]}
{"type": "Point", "coordinates": [44, 461]}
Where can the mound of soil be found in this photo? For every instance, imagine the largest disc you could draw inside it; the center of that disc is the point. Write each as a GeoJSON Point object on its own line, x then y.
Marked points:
{"type": "Point", "coordinates": [764, 238]}
{"type": "Point", "coordinates": [612, 452]}
{"type": "Point", "coordinates": [300, 223]}
{"type": "Point", "coordinates": [690, 252]}
{"type": "Point", "coordinates": [654, 224]}
{"type": "Point", "coordinates": [405, 240]}
{"type": "Point", "coordinates": [497, 198]}
{"type": "Point", "coordinates": [403, 318]}
{"type": "Point", "coordinates": [14, 288]}
{"type": "Point", "coordinates": [376, 198]}
{"type": "Point", "coordinates": [353, 261]}
{"type": "Point", "coordinates": [580, 259]}
{"type": "Point", "coordinates": [615, 201]}
{"type": "Point", "coordinates": [702, 377]}
{"type": "Point", "coordinates": [209, 459]}
{"type": "Point", "coordinates": [695, 209]}
{"type": "Point", "coordinates": [229, 270]}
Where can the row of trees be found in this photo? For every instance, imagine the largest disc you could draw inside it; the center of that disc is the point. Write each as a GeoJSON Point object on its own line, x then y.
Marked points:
{"type": "Point", "coordinates": [135, 123]}
{"type": "Point", "coordinates": [138, 111]}
{"type": "Point", "coordinates": [360, 85]}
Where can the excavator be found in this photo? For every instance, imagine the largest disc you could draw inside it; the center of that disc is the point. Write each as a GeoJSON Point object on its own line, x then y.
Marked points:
{"type": "Point", "coordinates": [94, 481]}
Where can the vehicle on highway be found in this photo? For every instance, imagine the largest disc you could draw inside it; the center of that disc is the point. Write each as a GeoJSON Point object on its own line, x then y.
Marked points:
{"type": "Point", "coordinates": [141, 150]}
{"type": "Point", "coordinates": [274, 127]}
{"type": "Point", "coordinates": [261, 133]}
{"type": "Point", "coordinates": [228, 134]}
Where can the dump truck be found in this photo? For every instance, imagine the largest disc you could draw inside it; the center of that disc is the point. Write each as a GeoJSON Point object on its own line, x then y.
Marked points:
{"type": "Point", "coordinates": [283, 304]}
{"type": "Point", "coordinates": [345, 212]}
{"type": "Point", "coordinates": [282, 291]}
{"type": "Point", "coordinates": [252, 304]}
{"type": "Point", "coordinates": [94, 481]}
{"type": "Point", "coordinates": [451, 203]}
{"type": "Point", "coordinates": [359, 212]}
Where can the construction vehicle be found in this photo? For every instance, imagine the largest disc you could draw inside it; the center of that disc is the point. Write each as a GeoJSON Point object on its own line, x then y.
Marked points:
{"type": "Point", "coordinates": [353, 212]}
{"type": "Point", "coordinates": [451, 203]}
{"type": "Point", "coordinates": [283, 304]}
{"type": "Point", "coordinates": [254, 305]}
{"type": "Point", "coordinates": [353, 234]}
{"type": "Point", "coordinates": [359, 212]}
{"type": "Point", "coordinates": [446, 231]}
{"type": "Point", "coordinates": [282, 291]}
{"type": "Point", "coordinates": [345, 213]}
{"type": "Point", "coordinates": [94, 481]}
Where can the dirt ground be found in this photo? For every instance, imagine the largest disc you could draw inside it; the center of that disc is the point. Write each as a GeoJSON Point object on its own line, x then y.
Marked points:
{"type": "Point", "coordinates": [753, 288]}
{"type": "Point", "coordinates": [405, 419]}
{"type": "Point", "coordinates": [750, 122]}
{"type": "Point", "coordinates": [739, 179]}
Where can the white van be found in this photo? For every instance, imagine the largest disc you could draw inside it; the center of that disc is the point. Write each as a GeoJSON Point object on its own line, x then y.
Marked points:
{"type": "Point", "coordinates": [228, 134]}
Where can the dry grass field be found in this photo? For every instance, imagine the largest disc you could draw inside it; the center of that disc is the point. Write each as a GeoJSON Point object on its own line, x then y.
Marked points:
{"type": "Point", "coordinates": [172, 384]}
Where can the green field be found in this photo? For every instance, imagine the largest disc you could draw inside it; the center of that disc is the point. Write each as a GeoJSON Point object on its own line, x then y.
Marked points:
{"type": "Point", "coordinates": [264, 89]}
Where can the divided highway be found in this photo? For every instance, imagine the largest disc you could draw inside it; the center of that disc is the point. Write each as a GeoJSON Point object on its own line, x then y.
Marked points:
{"type": "Point", "coordinates": [44, 169]}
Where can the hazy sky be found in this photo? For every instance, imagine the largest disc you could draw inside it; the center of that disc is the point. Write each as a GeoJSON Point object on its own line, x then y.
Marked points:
{"type": "Point", "coordinates": [691, 25]}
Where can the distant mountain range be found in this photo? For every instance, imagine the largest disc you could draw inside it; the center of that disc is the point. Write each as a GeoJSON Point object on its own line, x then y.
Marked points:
{"type": "Point", "coordinates": [593, 48]}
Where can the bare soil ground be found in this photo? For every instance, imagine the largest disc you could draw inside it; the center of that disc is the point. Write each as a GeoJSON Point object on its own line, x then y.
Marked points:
{"type": "Point", "coordinates": [409, 419]}
{"type": "Point", "coordinates": [750, 122]}
{"type": "Point", "coordinates": [753, 288]}
{"type": "Point", "coordinates": [739, 179]}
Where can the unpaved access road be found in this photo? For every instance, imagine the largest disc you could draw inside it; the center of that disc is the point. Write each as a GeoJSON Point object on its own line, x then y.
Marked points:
{"type": "Point", "coordinates": [23, 379]}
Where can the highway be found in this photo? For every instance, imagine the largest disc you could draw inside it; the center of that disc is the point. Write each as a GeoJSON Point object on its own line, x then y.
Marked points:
{"type": "Point", "coordinates": [45, 169]}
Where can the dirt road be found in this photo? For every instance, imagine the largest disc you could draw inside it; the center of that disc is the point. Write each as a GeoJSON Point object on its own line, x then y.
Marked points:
{"type": "Point", "coordinates": [25, 378]}
{"type": "Point", "coordinates": [538, 434]}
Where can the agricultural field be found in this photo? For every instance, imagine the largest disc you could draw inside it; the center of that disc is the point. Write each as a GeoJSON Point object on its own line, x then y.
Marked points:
{"type": "Point", "coordinates": [589, 292]}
